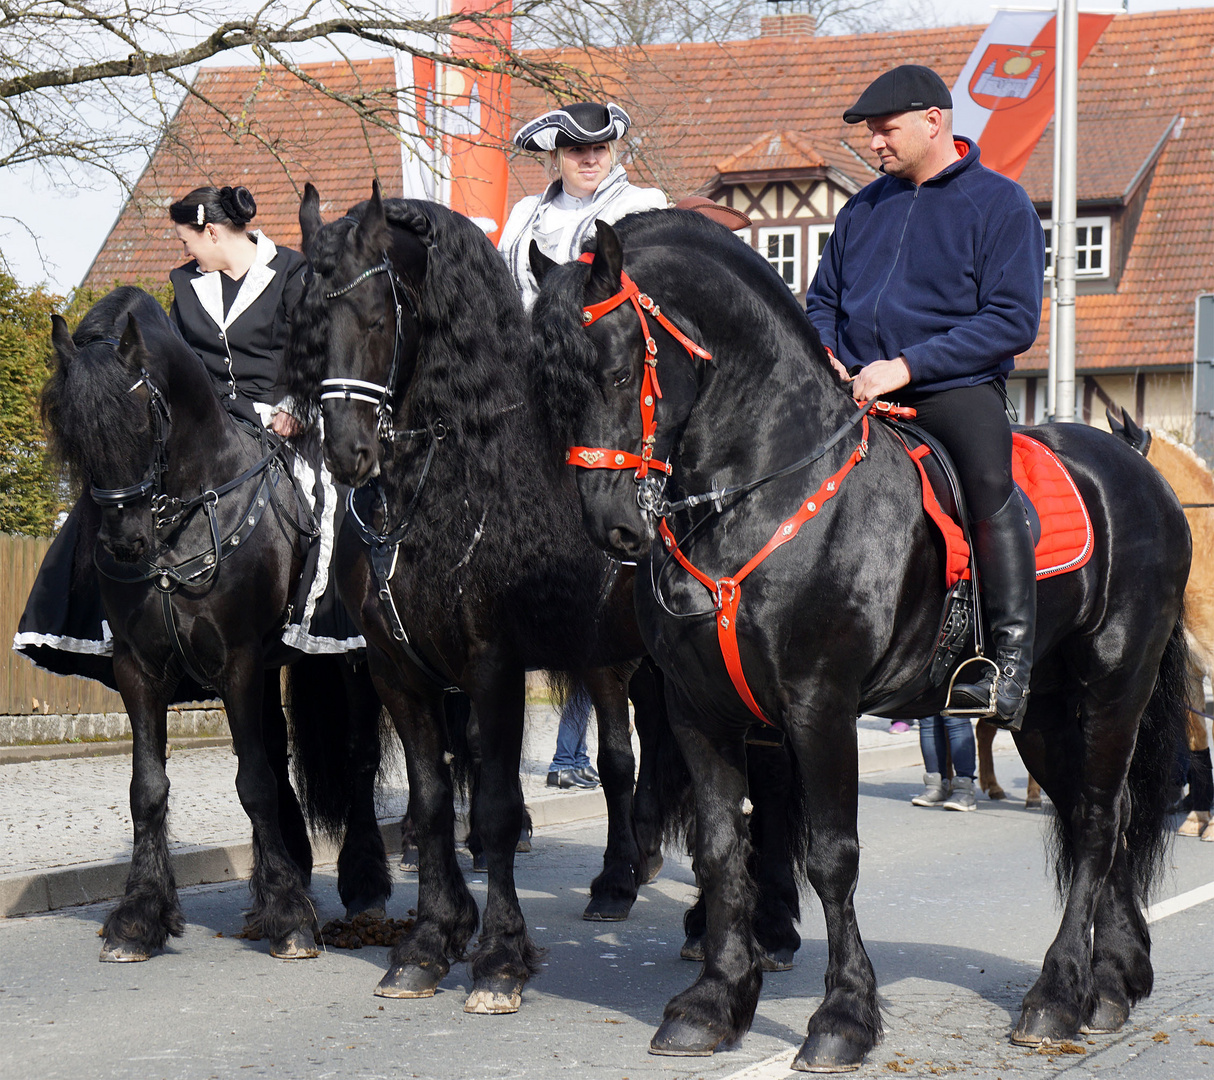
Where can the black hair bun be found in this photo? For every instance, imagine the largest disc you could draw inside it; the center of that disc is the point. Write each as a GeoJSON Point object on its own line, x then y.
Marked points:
{"type": "Point", "coordinates": [238, 203]}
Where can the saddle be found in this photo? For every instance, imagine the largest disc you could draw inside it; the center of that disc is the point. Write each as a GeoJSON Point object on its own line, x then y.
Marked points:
{"type": "Point", "coordinates": [1060, 523]}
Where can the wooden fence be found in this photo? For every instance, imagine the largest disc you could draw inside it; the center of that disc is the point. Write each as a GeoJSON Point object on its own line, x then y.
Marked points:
{"type": "Point", "coordinates": [24, 688]}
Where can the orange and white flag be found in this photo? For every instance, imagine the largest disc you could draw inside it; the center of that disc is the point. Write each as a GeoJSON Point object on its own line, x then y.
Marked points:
{"type": "Point", "coordinates": [1004, 97]}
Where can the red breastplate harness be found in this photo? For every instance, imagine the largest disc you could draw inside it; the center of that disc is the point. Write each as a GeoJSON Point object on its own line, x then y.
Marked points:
{"type": "Point", "coordinates": [727, 591]}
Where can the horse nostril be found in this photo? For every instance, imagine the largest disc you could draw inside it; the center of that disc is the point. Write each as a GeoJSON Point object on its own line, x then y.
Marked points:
{"type": "Point", "coordinates": [623, 540]}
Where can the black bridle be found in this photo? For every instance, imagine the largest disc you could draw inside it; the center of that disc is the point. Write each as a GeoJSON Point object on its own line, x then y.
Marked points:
{"type": "Point", "coordinates": [360, 389]}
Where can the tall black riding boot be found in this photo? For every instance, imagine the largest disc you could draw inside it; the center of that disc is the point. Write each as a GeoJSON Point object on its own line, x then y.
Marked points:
{"type": "Point", "coordinates": [1007, 574]}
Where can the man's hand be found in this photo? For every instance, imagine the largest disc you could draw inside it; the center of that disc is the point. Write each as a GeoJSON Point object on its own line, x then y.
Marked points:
{"type": "Point", "coordinates": [880, 377]}
{"type": "Point", "coordinates": [840, 370]}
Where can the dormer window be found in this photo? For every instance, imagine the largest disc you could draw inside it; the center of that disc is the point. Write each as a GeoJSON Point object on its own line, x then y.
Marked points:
{"type": "Point", "coordinates": [1092, 258]}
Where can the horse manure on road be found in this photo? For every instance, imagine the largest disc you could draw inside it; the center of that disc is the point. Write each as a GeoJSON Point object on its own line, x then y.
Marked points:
{"type": "Point", "coordinates": [364, 929]}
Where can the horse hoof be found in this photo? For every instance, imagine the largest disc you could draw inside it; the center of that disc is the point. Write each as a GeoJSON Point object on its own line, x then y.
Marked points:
{"type": "Point", "coordinates": [779, 960]}
{"type": "Point", "coordinates": [826, 1053]}
{"type": "Point", "coordinates": [496, 997]}
{"type": "Point", "coordinates": [995, 792]}
{"type": "Point", "coordinates": [123, 954]}
{"type": "Point", "coordinates": [606, 909]}
{"type": "Point", "coordinates": [1032, 802]}
{"type": "Point", "coordinates": [408, 860]}
{"type": "Point", "coordinates": [1037, 1026]}
{"type": "Point", "coordinates": [693, 949]}
{"type": "Point", "coordinates": [480, 865]}
{"type": "Point", "coordinates": [653, 868]}
{"type": "Point", "coordinates": [679, 1037]}
{"type": "Point", "coordinates": [408, 981]}
{"type": "Point", "coordinates": [1107, 1018]}
{"type": "Point", "coordinates": [294, 946]}
{"type": "Point", "coordinates": [375, 907]}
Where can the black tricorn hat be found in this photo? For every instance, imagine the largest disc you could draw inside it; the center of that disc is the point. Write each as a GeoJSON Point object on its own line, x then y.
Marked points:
{"type": "Point", "coordinates": [904, 89]}
{"type": "Point", "coordinates": [581, 124]}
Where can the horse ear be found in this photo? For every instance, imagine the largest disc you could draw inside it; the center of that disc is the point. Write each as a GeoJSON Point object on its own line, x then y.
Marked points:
{"type": "Point", "coordinates": [309, 216]}
{"type": "Point", "coordinates": [372, 232]}
{"type": "Point", "coordinates": [131, 350]}
{"type": "Point", "coordinates": [61, 339]}
{"type": "Point", "coordinates": [608, 263]}
{"type": "Point", "coordinates": [540, 263]}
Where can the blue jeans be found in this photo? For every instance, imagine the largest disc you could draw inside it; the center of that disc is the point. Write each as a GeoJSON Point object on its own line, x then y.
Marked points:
{"type": "Point", "coordinates": [940, 734]}
{"type": "Point", "coordinates": [571, 735]}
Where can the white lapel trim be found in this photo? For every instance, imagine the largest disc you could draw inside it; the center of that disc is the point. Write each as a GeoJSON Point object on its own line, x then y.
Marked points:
{"type": "Point", "coordinates": [209, 288]}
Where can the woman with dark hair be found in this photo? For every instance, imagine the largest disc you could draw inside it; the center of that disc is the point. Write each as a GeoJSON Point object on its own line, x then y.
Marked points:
{"type": "Point", "coordinates": [233, 301]}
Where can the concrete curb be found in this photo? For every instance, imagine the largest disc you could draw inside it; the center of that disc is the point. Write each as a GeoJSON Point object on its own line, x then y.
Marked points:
{"type": "Point", "coordinates": [10, 755]}
{"type": "Point", "coordinates": [88, 883]}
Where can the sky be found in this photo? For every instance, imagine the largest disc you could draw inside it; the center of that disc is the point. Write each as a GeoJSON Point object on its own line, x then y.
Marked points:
{"type": "Point", "coordinates": [51, 234]}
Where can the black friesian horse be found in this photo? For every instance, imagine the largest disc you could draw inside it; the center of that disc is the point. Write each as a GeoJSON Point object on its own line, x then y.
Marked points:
{"type": "Point", "coordinates": [847, 612]}
{"type": "Point", "coordinates": [472, 566]}
{"type": "Point", "coordinates": [197, 549]}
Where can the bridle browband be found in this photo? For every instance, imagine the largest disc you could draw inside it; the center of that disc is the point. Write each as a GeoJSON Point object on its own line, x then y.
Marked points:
{"type": "Point", "coordinates": [377, 394]}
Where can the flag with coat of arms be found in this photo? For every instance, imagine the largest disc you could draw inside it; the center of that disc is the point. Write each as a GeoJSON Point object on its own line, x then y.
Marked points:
{"type": "Point", "coordinates": [1004, 97]}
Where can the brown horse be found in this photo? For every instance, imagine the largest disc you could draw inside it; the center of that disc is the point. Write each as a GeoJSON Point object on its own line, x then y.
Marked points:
{"type": "Point", "coordinates": [1193, 482]}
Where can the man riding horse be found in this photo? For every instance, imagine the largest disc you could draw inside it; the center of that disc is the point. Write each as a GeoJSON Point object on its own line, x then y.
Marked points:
{"type": "Point", "coordinates": [931, 285]}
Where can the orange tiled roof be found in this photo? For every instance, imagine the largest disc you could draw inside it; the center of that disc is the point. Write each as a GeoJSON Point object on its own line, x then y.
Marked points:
{"type": "Point", "coordinates": [696, 105]}
{"type": "Point", "coordinates": [290, 135]}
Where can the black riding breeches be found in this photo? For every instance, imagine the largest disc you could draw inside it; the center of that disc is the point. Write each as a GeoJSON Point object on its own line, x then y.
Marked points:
{"type": "Point", "coordinates": [971, 422]}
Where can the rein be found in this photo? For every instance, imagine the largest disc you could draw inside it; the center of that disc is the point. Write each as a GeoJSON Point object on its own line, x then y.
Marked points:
{"type": "Point", "coordinates": [360, 389]}
{"type": "Point", "coordinates": [726, 591]}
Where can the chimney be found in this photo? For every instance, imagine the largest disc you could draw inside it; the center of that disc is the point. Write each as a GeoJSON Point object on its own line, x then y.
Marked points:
{"type": "Point", "coordinates": [774, 26]}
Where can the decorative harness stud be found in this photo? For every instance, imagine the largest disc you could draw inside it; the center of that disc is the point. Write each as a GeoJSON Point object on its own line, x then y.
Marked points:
{"type": "Point", "coordinates": [727, 591]}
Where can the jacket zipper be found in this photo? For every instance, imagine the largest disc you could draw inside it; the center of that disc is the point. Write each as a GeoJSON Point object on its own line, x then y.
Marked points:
{"type": "Point", "coordinates": [890, 273]}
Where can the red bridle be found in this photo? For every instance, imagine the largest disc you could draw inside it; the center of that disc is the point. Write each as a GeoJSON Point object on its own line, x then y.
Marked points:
{"type": "Point", "coordinates": [587, 457]}
{"type": "Point", "coordinates": [727, 591]}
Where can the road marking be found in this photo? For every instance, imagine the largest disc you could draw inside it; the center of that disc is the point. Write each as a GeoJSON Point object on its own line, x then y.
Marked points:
{"type": "Point", "coordinates": [778, 1065]}
{"type": "Point", "coordinates": [1180, 903]}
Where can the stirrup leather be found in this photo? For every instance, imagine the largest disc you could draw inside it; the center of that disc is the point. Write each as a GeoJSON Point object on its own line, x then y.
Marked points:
{"type": "Point", "coordinates": [973, 712]}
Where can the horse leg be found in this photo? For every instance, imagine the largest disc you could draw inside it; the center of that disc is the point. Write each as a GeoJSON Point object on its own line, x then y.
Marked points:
{"type": "Point", "coordinates": [281, 910]}
{"type": "Point", "coordinates": [148, 912]}
{"type": "Point", "coordinates": [771, 782]}
{"type": "Point", "coordinates": [720, 1005]}
{"type": "Point", "coordinates": [1083, 769]}
{"type": "Point", "coordinates": [1032, 796]}
{"type": "Point", "coordinates": [290, 816]}
{"type": "Point", "coordinates": [847, 1024]}
{"type": "Point", "coordinates": [984, 736]}
{"type": "Point", "coordinates": [446, 912]}
{"type": "Point", "coordinates": [655, 737]}
{"type": "Point", "coordinates": [363, 880]}
{"type": "Point", "coordinates": [614, 890]}
{"type": "Point", "coordinates": [505, 957]}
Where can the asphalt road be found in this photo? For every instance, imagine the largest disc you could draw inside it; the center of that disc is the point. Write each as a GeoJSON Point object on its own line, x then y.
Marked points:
{"type": "Point", "coordinates": [956, 911]}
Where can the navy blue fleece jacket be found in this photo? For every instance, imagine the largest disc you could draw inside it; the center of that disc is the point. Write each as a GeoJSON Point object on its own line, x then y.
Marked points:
{"type": "Point", "coordinates": [948, 274]}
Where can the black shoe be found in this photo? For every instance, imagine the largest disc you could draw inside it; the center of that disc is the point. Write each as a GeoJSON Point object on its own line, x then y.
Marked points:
{"type": "Point", "coordinates": [568, 778]}
{"type": "Point", "coordinates": [587, 772]}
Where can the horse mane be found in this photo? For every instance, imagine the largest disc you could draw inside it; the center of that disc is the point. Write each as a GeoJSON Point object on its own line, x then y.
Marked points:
{"type": "Point", "coordinates": [87, 412]}
{"type": "Point", "coordinates": [490, 477]}
{"type": "Point", "coordinates": [562, 372]}
{"type": "Point", "coordinates": [1182, 467]}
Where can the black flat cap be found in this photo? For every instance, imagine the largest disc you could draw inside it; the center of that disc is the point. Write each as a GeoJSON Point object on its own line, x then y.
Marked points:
{"type": "Point", "coordinates": [581, 124]}
{"type": "Point", "coordinates": [904, 89]}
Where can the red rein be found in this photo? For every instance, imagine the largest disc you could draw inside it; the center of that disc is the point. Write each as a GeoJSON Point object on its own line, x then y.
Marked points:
{"type": "Point", "coordinates": [726, 592]}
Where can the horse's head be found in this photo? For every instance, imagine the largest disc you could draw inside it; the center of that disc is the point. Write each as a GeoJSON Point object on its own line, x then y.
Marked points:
{"type": "Point", "coordinates": [107, 421]}
{"type": "Point", "coordinates": [619, 411]}
{"type": "Point", "coordinates": [355, 333]}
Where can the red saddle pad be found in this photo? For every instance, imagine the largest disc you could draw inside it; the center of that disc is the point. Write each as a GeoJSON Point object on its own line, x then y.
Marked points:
{"type": "Point", "coordinates": [1066, 527]}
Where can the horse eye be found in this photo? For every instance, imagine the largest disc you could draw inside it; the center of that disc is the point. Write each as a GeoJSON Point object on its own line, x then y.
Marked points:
{"type": "Point", "coordinates": [620, 377]}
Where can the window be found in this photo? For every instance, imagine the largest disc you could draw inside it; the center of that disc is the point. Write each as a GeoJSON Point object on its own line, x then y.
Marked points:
{"type": "Point", "coordinates": [1091, 247]}
{"type": "Point", "coordinates": [782, 248]}
{"type": "Point", "coordinates": [818, 237]}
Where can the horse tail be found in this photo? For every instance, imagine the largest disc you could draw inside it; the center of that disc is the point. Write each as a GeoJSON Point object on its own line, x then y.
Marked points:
{"type": "Point", "coordinates": [1149, 834]}
{"type": "Point", "coordinates": [338, 737]}
{"type": "Point", "coordinates": [462, 741]}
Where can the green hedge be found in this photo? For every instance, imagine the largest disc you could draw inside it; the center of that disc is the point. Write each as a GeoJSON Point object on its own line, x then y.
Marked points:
{"type": "Point", "coordinates": [33, 490]}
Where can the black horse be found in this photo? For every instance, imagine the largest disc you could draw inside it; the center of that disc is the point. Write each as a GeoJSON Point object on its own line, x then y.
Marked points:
{"type": "Point", "coordinates": [196, 534]}
{"type": "Point", "coordinates": [847, 613]}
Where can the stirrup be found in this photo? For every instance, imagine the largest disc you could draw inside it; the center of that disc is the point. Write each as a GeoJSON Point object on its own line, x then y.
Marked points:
{"type": "Point", "coordinates": [972, 712]}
